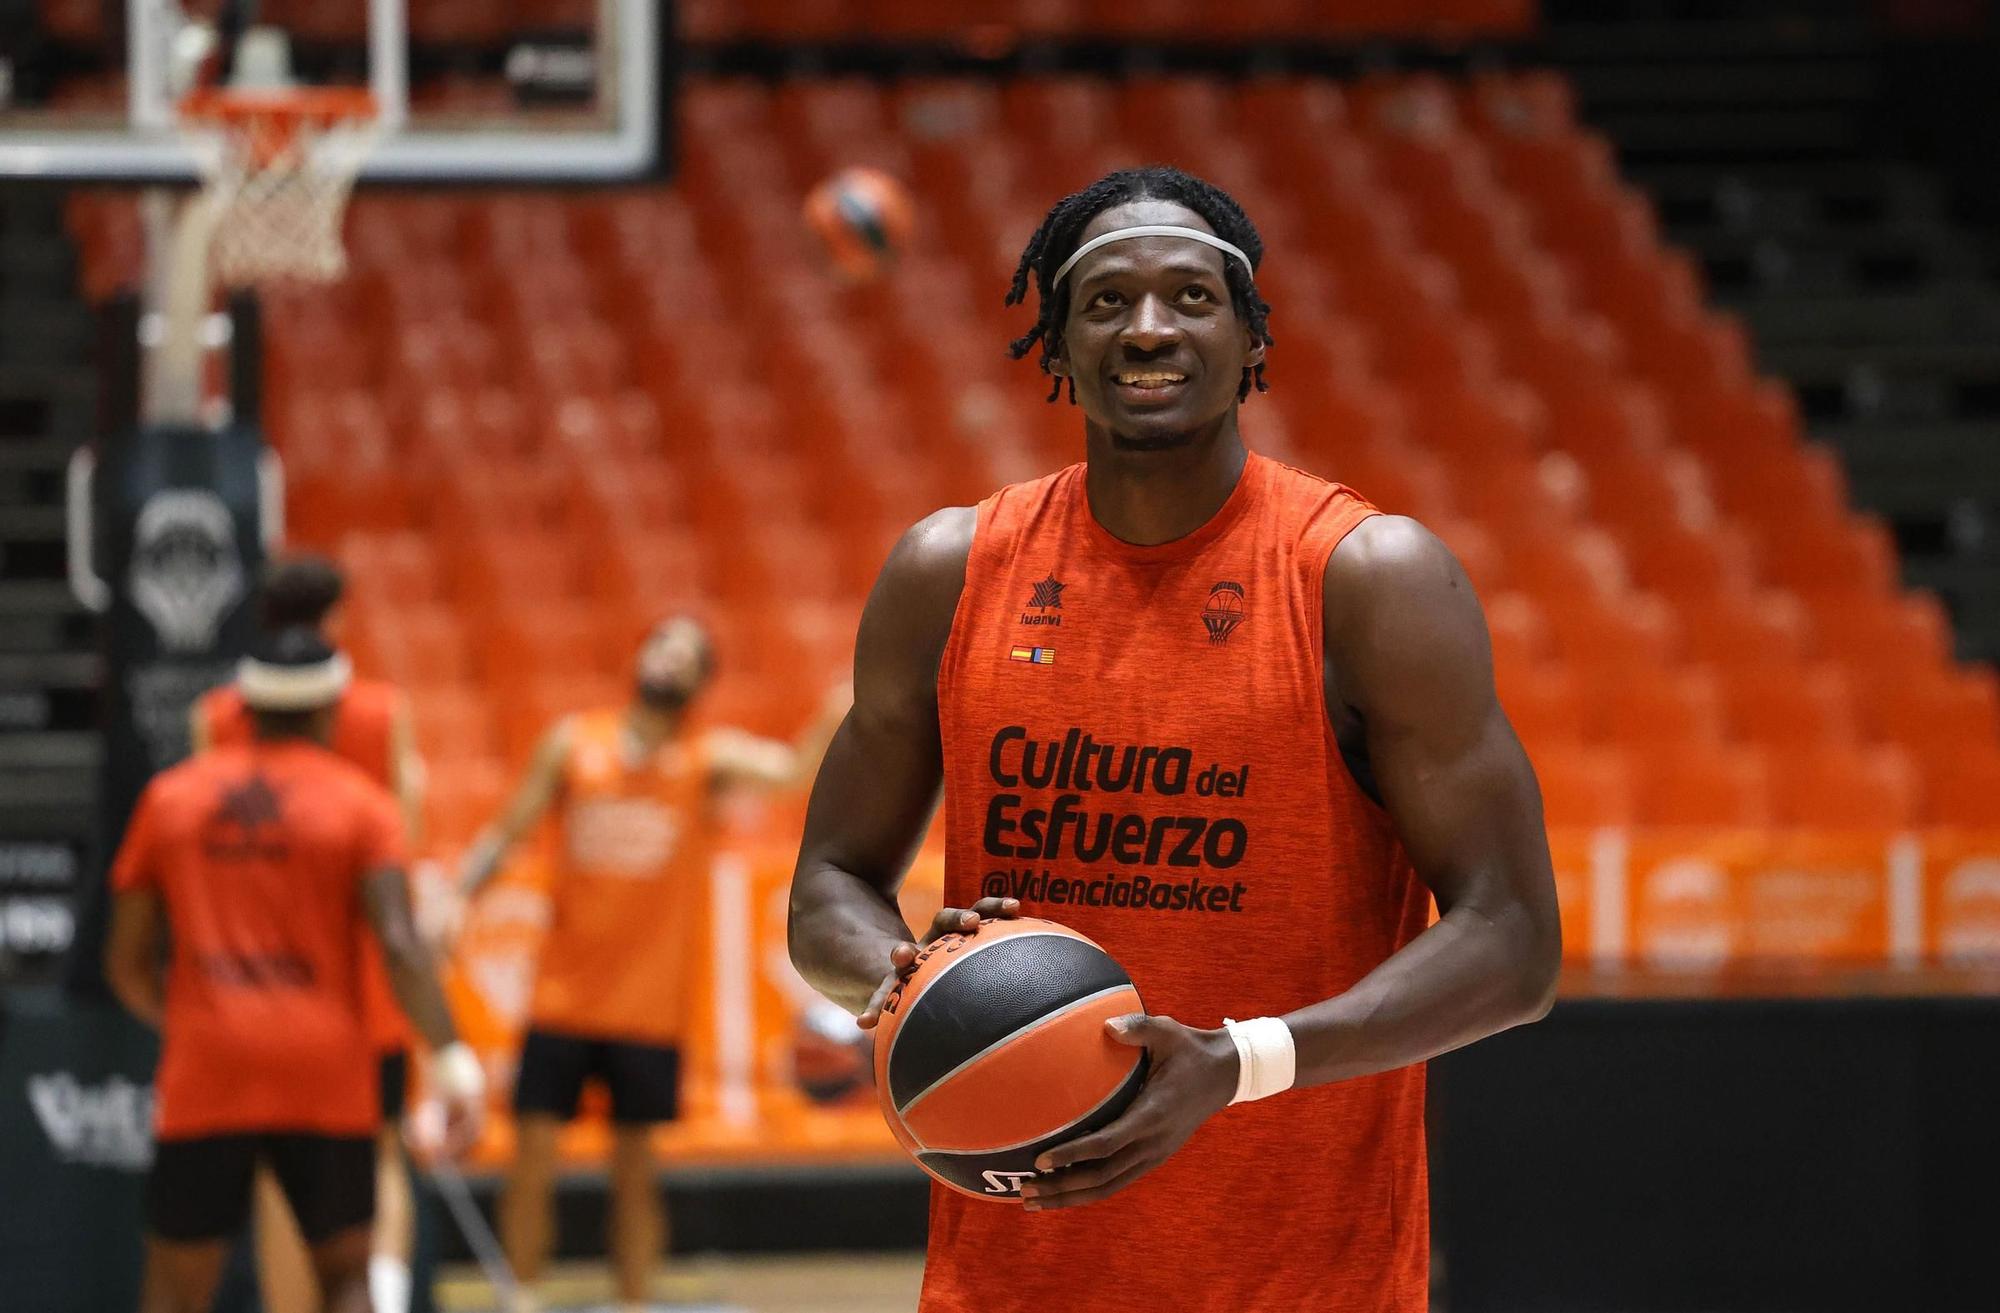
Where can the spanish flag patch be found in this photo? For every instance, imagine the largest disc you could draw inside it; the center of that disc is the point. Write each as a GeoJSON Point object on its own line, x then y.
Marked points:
{"type": "Point", "coordinates": [1041, 656]}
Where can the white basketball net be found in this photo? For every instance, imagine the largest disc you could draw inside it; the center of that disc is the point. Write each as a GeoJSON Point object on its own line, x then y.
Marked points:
{"type": "Point", "coordinates": [277, 191]}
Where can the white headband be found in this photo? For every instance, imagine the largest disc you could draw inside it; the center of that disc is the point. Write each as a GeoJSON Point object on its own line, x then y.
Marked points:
{"type": "Point", "coordinates": [267, 687]}
{"type": "Point", "coordinates": [1149, 230]}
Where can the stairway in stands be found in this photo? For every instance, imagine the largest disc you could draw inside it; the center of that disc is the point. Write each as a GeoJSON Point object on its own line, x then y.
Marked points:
{"type": "Point", "coordinates": [1767, 148]}
{"type": "Point", "coordinates": [48, 661]}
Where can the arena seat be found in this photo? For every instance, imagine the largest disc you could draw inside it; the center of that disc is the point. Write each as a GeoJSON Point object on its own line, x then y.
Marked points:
{"type": "Point", "coordinates": [1586, 787]}
{"type": "Point", "coordinates": [1845, 788]}
{"type": "Point", "coordinates": [1783, 705]}
{"type": "Point", "coordinates": [1623, 706]}
{"type": "Point", "coordinates": [1961, 788]}
{"type": "Point", "coordinates": [1704, 785]}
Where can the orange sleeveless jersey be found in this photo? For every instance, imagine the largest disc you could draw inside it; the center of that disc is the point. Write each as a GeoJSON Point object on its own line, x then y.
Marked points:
{"type": "Point", "coordinates": [363, 733]}
{"type": "Point", "coordinates": [258, 852]}
{"type": "Point", "coordinates": [1136, 744]}
{"type": "Point", "coordinates": [628, 882]}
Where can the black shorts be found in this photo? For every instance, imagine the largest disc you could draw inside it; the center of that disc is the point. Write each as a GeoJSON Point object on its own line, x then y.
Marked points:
{"type": "Point", "coordinates": [199, 1189]}
{"type": "Point", "coordinates": [644, 1079]}
{"type": "Point", "coordinates": [392, 1075]}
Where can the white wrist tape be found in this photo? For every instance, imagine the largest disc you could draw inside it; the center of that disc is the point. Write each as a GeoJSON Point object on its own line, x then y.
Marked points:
{"type": "Point", "coordinates": [1268, 1062]}
{"type": "Point", "coordinates": [458, 1073]}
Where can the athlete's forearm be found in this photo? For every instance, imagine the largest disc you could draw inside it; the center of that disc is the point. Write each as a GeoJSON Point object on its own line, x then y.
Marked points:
{"type": "Point", "coordinates": [414, 978]}
{"type": "Point", "coordinates": [840, 929]}
{"type": "Point", "coordinates": [411, 965]}
{"type": "Point", "coordinates": [1470, 975]}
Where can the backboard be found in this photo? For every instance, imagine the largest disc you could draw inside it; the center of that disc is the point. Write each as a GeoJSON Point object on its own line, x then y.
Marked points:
{"type": "Point", "coordinates": [469, 91]}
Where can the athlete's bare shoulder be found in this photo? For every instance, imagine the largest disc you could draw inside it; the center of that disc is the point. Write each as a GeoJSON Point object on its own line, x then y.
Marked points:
{"type": "Point", "coordinates": [908, 617]}
{"type": "Point", "coordinates": [920, 583]}
{"type": "Point", "coordinates": [1398, 605]}
{"type": "Point", "coordinates": [933, 551]}
{"type": "Point", "coordinates": [1387, 551]}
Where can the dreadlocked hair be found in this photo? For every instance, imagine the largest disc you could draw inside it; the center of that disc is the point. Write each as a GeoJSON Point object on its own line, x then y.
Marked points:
{"type": "Point", "coordinates": [1060, 235]}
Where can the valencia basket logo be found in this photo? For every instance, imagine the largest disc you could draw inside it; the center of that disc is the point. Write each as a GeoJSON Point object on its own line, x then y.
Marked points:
{"type": "Point", "coordinates": [1224, 612]}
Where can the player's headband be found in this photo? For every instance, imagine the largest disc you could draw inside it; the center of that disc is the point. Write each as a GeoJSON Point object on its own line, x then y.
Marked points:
{"type": "Point", "coordinates": [1149, 230]}
{"type": "Point", "coordinates": [266, 686]}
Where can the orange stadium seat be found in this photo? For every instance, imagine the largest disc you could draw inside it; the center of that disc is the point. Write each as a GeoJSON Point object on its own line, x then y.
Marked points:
{"type": "Point", "coordinates": [396, 567]}
{"type": "Point", "coordinates": [414, 644]}
{"type": "Point", "coordinates": [1908, 633]}
{"type": "Point", "coordinates": [1954, 710]}
{"type": "Point", "coordinates": [1585, 786]}
{"type": "Point", "coordinates": [1690, 566]}
{"type": "Point", "coordinates": [1704, 784]}
{"type": "Point", "coordinates": [1543, 705]}
{"type": "Point", "coordinates": [1747, 628]}
{"type": "Point", "coordinates": [1636, 632]}
{"type": "Point", "coordinates": [1621, 706]}
{"type": "Point", "coordinates": [1519, 635]}
{"type": "Point", "coordinates": [1787, 706]}
{"type": "Point", "coordinates": [1961, 788]}
{"type": "Point", "coordinates": [453, 723]}
{"type": "Point", "coordinates": [1845, 788]}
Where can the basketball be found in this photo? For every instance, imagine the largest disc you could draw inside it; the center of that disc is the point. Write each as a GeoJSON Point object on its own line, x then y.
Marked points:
{"type": "Point", "coordinates": [863, 218]}
{"type": "Point", "coordinates": [994, 1050]}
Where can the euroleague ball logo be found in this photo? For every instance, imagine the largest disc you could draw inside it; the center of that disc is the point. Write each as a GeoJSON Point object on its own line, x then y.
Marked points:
{"type": "Point", "coordinates": [1224, 612]}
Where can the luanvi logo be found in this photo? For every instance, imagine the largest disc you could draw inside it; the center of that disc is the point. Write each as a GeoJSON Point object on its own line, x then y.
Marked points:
{"type": "Point", "coordinates": [1225, 611]}
{"type": "Point", "coordinates": [1006, 1182]}
{"type": "Point", "coordinates": [107, 1125]}
{"type": "Point", "coordinates": [1047, 597]}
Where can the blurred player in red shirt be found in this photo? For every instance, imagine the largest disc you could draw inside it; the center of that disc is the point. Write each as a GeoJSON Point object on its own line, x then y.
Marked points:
{"type": "Point", "coordinates": [372, 729]}
{"type": "Point", "coordinates": [258, 870]}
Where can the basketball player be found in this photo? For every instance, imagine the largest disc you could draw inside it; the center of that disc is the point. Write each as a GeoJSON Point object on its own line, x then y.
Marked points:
{"type": "Point", "coordinates": [262, 862]}
{"type": "Point", "coordinates": [1262, 736]}
{"type": "Point", "coordinates": [372, 729]}
{"type": "Point", "coordinates": [631, 790]}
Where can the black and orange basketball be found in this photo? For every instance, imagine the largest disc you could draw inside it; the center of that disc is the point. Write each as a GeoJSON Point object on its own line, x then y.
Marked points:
{"type": "Point", "coordinates": [864, 217]}
{"type": "Point", "coordinates": [994, 1050]}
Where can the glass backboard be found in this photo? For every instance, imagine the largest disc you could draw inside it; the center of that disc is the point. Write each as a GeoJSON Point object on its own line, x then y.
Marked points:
{"type": "Point", "coordinates": [468, 90]}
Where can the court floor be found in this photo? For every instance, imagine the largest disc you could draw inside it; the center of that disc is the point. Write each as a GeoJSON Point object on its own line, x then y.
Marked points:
{"type": "Point", "coordinates": [840, 1283]}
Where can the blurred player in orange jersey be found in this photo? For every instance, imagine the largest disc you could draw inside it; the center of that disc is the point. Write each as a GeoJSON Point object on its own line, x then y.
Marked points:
{"type": "Point", "coordinates": [371, 728]}
{"type": "Point", "coordinates": [631, 791]}
{"type": "Point", "coordinates": [262, 865]}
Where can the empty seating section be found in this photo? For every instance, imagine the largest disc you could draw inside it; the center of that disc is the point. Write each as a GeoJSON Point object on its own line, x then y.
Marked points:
{"type": "Point", "coordinates": [534, 422]}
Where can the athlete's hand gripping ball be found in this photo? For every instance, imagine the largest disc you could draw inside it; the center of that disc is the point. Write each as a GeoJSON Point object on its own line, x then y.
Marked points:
{"type": "Point", "coordinates": [1192, 1075]}
{"type": "Point", "coordinates": [949, 921]}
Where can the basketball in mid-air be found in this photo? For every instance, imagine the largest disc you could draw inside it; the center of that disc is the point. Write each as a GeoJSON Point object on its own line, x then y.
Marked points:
{"type": "Point", "coordinates": [994, 1050]}
{"type": "Point", "coordinates": [863, 218]}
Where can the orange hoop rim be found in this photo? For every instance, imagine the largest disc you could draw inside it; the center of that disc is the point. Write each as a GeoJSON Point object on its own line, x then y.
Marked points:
{"type": "Point", "coordinates": [288, 107]}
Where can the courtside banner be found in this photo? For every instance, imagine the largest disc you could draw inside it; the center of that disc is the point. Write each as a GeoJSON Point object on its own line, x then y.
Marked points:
{"type": "Point", "coordinates": [1958, 874]}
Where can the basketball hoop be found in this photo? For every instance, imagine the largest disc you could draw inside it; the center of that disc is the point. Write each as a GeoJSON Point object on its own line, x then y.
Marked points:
{"type": "Point", "coordinates": [277, 167]}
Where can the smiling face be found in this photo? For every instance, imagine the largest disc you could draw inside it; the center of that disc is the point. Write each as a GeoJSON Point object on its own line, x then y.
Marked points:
{"type": "Point", "coordinates": [1152, 341]}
